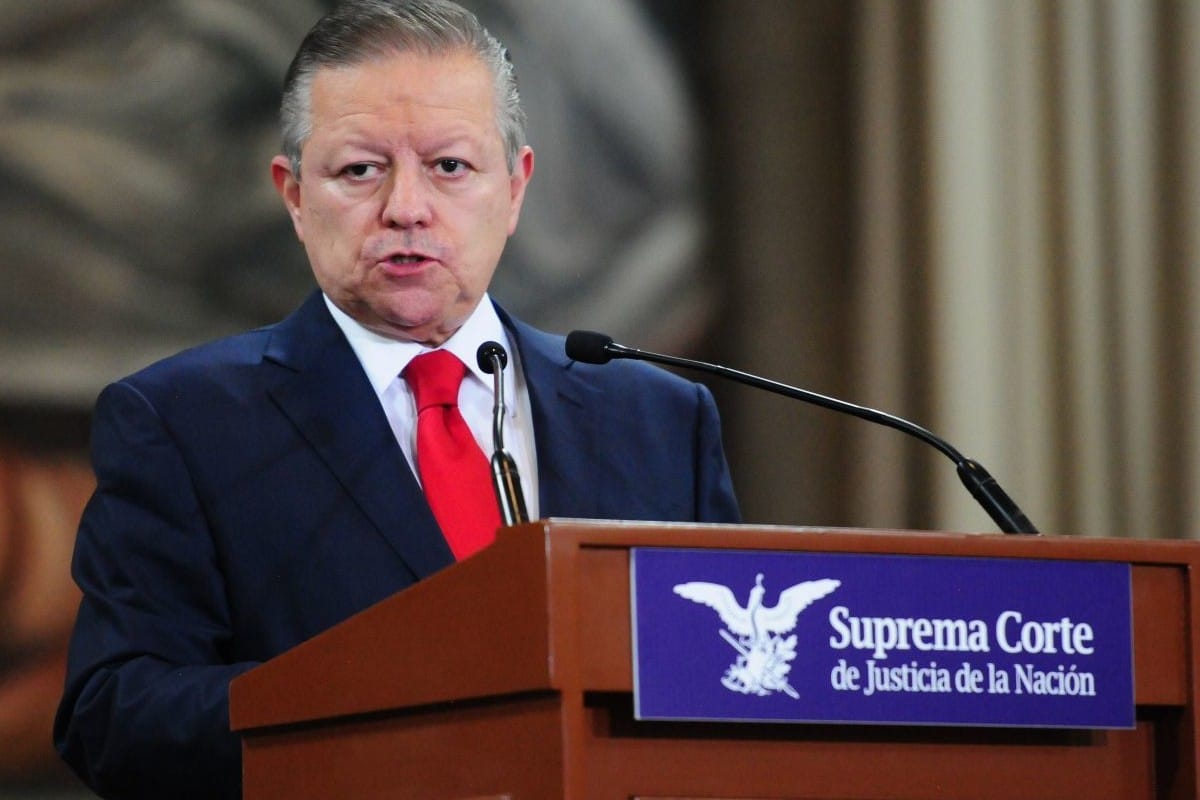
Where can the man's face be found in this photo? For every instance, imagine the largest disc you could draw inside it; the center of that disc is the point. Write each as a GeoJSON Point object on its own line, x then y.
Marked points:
{"type": "Point", "coordinates": [405, 201]}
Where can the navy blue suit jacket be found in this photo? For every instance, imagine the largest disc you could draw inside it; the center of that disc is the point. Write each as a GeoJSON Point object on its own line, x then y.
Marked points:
{"type": "Point", "coordinates": [251, 494]}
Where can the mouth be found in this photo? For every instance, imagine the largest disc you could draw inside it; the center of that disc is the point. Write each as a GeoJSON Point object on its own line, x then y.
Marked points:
{"type": "Point", "coordinates": [405, 263]}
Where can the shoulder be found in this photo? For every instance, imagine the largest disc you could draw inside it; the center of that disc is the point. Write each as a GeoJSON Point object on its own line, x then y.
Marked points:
{"type": "Point", "coordinates": [544, 359]}
{"type": "Point", "coordinates": [209, 363]}
{"type": "Point", "coordinates": [241, 359]}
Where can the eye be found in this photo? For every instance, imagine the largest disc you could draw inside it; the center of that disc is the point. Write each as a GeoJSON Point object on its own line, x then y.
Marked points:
{"type": "Point", "coordinates": [360, 171]}
{"type": "Point", "coordinates": [451, 166]}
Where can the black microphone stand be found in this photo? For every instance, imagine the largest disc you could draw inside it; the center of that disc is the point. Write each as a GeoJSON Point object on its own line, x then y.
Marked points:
{"type": "Point", "coordinates": [492, 359]}
{"type": "Point", "coordinates": [982, 486]}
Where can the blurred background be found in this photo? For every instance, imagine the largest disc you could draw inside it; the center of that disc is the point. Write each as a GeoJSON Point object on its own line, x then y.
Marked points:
{"type": "Point", "coordinates": [983, 215]}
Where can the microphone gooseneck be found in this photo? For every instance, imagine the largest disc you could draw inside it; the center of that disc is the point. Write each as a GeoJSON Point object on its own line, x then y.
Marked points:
{"type": "Point", "coordinates": [492, 359]}
{"type": "Point", "coordinates": [591, 347]}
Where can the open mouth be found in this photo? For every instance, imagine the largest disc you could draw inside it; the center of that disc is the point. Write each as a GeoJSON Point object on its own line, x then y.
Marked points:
{"type": "Point", "coordinates": [403, 266]}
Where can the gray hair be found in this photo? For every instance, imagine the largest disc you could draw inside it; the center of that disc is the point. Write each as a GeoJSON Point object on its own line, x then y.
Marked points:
{"type": "Point", "coordinates": [359, 30]}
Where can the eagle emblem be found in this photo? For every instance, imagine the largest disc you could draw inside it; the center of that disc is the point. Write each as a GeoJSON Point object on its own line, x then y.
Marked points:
{"type": "Point", "coordinates": [756, 631]}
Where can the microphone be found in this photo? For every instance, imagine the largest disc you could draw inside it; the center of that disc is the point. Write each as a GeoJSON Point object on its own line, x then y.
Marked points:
{"type": "Point", "coordinates": [492, 359]}
{"type": "Point", "coordinates": [598, 348]}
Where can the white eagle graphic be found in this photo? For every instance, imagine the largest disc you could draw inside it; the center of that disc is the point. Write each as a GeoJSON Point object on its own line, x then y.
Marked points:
{"type": "Point", "coordinates": [754, 631]}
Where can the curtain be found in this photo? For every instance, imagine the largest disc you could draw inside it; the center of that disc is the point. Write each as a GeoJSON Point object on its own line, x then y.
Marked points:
{"type": "Point", "coordinates": [1023, 214]}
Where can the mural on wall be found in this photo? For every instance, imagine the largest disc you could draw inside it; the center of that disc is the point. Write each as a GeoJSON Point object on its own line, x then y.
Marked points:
{"type": "Point", "coordinates": [137, 217]}
{"type": "Point", "coordinates": [40, 500]}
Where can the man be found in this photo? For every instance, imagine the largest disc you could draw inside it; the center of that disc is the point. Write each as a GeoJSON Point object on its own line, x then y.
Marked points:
{"type": "Point", "coordinates": [257, 490]}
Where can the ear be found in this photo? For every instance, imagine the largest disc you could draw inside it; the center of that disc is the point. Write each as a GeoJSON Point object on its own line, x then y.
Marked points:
{"type": "Point", "coordinates": [517, 181]}
{"type": "Point", "coordinates": [288, 186]}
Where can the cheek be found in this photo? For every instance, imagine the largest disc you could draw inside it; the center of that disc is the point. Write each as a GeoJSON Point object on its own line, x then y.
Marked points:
{"type": "Point", "coordinates": [499, 220]}
{"type": "Point", "coordinates": [333, 231]}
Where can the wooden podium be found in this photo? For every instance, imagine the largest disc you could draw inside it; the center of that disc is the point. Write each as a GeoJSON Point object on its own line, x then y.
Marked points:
{"type": "Point", "coordinates": [508, 675]}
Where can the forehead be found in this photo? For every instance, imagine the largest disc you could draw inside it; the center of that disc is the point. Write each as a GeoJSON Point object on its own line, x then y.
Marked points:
{"type": "Point", "coordinates": [408, 88]}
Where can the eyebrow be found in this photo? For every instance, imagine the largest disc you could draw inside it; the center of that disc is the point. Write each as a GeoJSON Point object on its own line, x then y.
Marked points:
{"type": "Point", "coordinates": [454, 140]}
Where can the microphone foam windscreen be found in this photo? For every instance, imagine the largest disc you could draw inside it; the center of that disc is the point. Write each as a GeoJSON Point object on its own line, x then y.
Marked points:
{"type": "Point", "coordinates": [589, 347]}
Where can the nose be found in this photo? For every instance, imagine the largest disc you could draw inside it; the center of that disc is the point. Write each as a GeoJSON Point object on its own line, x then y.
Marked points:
{"type": "Point", "coordinates": [407, 204]}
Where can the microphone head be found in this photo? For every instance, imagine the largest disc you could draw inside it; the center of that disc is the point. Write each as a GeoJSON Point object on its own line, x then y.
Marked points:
{"type": "Point", "coordinates": [589, 347]}
{"type": "Point", "coordinates": [487, 353]}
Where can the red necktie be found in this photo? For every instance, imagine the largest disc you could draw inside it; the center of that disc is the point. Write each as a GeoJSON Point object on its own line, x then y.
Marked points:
{"type": "Point", "coordinates": [454, 471]}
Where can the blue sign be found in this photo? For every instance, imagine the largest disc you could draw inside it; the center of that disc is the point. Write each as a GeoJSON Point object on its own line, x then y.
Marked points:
{"type": "Point", "coordinates": [852, 638]}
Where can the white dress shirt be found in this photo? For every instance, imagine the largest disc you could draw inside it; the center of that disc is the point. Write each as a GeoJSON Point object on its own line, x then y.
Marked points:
{"type": "Point", "coordinates": [384, 360]}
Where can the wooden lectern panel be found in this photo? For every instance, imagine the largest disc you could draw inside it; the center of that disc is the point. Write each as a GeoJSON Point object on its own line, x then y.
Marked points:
{"type": "Point", "coordinates": [510, 747]}
{"type": "Point", "coordinates": [627, 758]}
{"type": "Point", "coordinates": [530, 695]}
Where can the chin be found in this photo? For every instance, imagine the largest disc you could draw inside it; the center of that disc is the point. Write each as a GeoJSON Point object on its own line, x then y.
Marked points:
{"type": "Point", "coordinates": [409, 328]}
{"type": "Point", "coordinates": [435, 317]}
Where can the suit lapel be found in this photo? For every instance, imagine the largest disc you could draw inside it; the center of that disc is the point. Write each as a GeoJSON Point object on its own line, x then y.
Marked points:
{"type": "Point", "coordinates": [566, 423]}
{"type": "Point", "coordinates": [330, 401]}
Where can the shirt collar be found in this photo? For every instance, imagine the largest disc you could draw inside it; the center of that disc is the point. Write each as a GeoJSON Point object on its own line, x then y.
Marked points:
{"type": "Point", "coordinates": [383, 359]}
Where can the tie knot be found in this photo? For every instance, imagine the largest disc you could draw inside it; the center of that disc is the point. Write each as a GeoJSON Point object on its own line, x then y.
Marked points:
{"type": "Point", "coordinates": [434, 378]}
